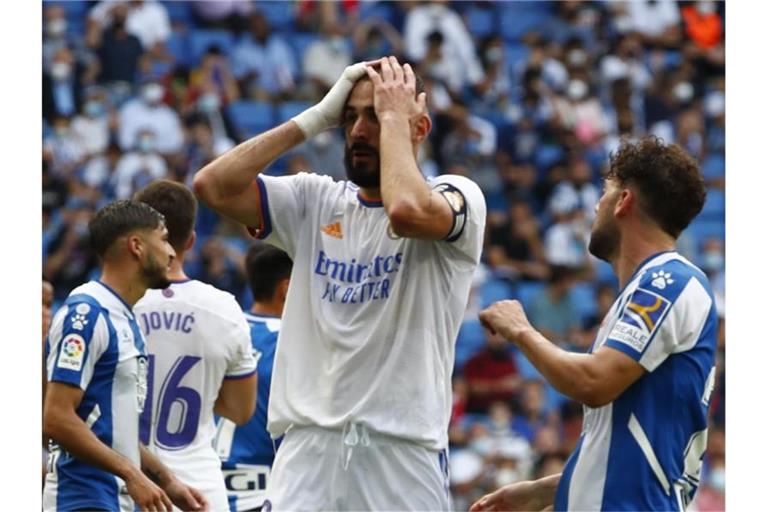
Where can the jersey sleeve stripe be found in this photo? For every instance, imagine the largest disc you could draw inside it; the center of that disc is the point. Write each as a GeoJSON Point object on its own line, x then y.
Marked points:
{"type": "Point", "coordinates": [266, 219]}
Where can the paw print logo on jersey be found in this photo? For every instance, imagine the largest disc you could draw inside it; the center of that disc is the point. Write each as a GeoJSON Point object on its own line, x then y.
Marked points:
{"type": "Point", "coordinates": [79, 321]}
{"type": "Point", "coordinates": [661, 279]}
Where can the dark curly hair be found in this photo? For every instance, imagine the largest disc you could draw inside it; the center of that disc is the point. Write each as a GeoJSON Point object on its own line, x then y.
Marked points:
{"type": "Point", "coordinates": [120, 218]}
{"type": "Point", "coordinates": [668, 181]}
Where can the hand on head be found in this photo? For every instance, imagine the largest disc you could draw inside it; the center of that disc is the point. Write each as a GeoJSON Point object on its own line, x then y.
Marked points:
{"type": "Point", "coordinates": [394, 89]}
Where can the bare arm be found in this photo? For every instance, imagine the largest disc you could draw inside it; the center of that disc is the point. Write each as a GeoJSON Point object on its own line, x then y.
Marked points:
{"type": "Point", "coordinates": [183, 496]}
{"type": "Point", "coordinates": [530, 495]}
{"type": "Point", "coordinates": [413, 208]}
{"type": "Point", "coordinates": [62, 424]}
{"type": "Point", "coordinates": [593, 379]}
{"type": "Point", "coordinates": [237, 399]}
{"type": "Point", "coordinates": [227, 184]}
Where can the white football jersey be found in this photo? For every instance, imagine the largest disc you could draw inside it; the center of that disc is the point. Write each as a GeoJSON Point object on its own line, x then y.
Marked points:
{"type": "Point", "coordinates": [371, 319]}
{"type": "Point", "coordinates": [196, 337]}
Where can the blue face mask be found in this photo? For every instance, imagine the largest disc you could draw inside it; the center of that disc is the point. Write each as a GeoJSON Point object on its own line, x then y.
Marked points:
{"type": "Point", "coordinates": [146, 144]}
{"type": "Point", "coordinates": [94, 109]}
{"type": "Point", "coordinates": [713, 261]}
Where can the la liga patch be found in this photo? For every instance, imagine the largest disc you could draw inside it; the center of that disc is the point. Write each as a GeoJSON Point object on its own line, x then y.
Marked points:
{"type": "Point", "coordinates": [72, 353]}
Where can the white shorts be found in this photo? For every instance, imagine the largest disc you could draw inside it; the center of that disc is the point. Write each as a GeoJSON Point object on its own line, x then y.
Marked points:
{"type": "Point", "coordinates": [357, 469]}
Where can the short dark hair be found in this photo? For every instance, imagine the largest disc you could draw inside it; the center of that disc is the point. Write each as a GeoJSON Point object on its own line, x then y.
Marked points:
{"type": "Point", "coordinates": [668, 181]}
{"type": "Point", "coordinates": [177, 204]}
{"type": "Point", "coordinates": [120, 218]}
{"type": "Point", "coordinates": [265, 267]}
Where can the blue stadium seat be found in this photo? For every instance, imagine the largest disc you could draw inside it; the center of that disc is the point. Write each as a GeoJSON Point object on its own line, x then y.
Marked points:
{"type": "Point", "coordinates": [300, 41]}
{"type": "Point", "coordinates": [604, 272]}
{"type": "Point", "coordinates": [288, 109]}
{"type": "Point", "coordinates": [481, 22]}
{"type": "Point", "coordinates": [584, 298]}
{"type": "Point", "coordinates": [547, 155]}
{"type": "Point", "coordinates": [178, 12]}
{"type": "Point", "coordinates": [713, 166]}
{"type": "Point", "coordinates": [714, 206]}
{"type": "Point", "coordinates": [280, 14]}
{"type": "Point", "coordinates": [470, 340]}
{"type": "Point", "coordinates": [251, 117]}
{"type": "Point", "coordinates": [515, 55]}
{"type": "Point", "coordinates": [700, 230]}
{"type": "Point", "coordinates": [72, 10]}
{"type": "Point", "coordinates": [178, 46]}
{"type": "Point", "coordinates": [528, 290]}
{"type": "Point", "coordinates": [200, 40]}
{"type": "Point", "coordinates": [494, 290]}
{"type": "Point", "coordinates": [519, 18]}
{"type": "Point", "coordinates": [381, 10]}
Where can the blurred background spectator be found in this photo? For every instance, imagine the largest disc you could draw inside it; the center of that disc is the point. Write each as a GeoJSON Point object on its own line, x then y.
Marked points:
{"type": "Point", "coordinates": [527, 99]}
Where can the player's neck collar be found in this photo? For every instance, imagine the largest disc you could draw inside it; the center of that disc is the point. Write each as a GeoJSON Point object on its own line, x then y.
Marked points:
{"type": "Point", "coordinates": [368, 201]}
{"type": "Point", "coordinates": [113, 292]}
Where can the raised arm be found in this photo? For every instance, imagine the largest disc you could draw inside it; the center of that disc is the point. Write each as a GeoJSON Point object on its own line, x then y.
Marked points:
{"type": "Point", "coordinates": [227, 184]}
{"type": "Point", "coordinates": [413, 208]}
{"type": "Point", "coordinates": [593, 379]}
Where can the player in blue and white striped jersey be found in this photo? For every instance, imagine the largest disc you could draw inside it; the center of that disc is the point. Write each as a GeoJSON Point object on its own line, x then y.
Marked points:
{"type": "Point", "coordinates": [247, 452]}
{"type": "Point", "coordinates": [646, 381]}
{"type": "Point", "coordinates": [96, 368]}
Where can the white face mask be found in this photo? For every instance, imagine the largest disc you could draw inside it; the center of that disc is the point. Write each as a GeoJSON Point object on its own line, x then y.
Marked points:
{"type": "Point", "coordinates": [56, 28]}
{"type": "Point", "coordinates": [60, 70]}
{"type": "Point", "coordinates": [577, 90]}
{"type": "Point", "coordinates": [717, 479]}
{"type": "Point", "coordinates": [209, 102]}
{"type": "Point", "coordinates": [706, 8]}
{"type": "Point", "coordinates": [153, 93]}
{"type": "Point", "coordinates": [577, 57]}
{"type": "Point", "coordinates": [683, 92]}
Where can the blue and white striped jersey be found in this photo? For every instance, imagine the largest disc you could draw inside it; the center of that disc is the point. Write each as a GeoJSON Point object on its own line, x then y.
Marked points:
{"type": "Point", "coordinates": [247, 452]}
{"type": "Point", "coordinates": [95, 343]}
{"type": "Point", "coordinates": [643, 451]}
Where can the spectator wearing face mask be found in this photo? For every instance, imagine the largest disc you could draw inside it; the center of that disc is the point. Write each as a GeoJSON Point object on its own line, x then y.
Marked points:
{"type": "Point", "coordinates": [146, 20]}
{"type": "Point", "coordinates": [137, 168]}
{"type": "Point", "coordinates": [63, 149]}
{"type": "Point", "coordinates": [148, 112]}
{"type": "Point", "coordinates": [326, 58]}
{"type": "Point", "coordinates": [118, 50]}
{"type": "Point", "coordinates": [56, 37]}
{"type": "Point", "coordinates": [62, 86]}
{"type": "Point", "coordinates": [91, 127]}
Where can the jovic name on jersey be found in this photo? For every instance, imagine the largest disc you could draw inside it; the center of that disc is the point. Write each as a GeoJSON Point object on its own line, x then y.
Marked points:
{"type": "Point", "coordinates": [247, 452]}
{"type": "Point", "coordinates": [196, 337]}
{"type": "Point", "coordinates": [370, 318]}
{"type": "Point", "coordinates": [643, 451]}
{"type": "Point", "coordinates": [95, 343]}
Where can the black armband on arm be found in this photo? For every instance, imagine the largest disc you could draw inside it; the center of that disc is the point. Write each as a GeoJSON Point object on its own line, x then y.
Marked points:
{"type": "Point", "coordinates": [458, 205]}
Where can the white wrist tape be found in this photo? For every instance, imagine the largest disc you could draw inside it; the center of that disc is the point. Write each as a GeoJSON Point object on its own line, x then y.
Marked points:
{"type": "Point", "coordinates": [327, 113]}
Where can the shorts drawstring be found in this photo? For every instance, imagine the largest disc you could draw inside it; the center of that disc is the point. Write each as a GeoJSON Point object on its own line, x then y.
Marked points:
{"type": "Point", "coordinates": [351, 438]}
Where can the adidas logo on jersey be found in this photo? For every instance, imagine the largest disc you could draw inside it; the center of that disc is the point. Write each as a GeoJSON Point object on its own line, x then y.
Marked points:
{"type": "Point", "coordinates": [333, 229]}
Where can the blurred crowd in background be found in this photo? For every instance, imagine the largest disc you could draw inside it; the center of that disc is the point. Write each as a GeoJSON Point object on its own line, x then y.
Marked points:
{"type": "Point", "coordinates": [528, 99]}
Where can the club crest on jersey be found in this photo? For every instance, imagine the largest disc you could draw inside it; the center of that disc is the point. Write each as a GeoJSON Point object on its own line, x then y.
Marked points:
{"type": "Point", "coordinates": [72, 353]}
{"type": "Point", "coordinates": [79, 321]}
{"type": "Point", "coordinates": [640, 319]}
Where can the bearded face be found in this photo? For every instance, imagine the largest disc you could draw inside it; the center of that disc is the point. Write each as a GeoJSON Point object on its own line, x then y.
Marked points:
{"type": "Point", "coordinates": [361, 161]}
{"type": "Point", "coordinates": [157, 262]}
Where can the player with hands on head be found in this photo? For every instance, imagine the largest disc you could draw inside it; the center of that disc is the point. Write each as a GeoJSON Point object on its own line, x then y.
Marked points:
{"type": "Point", "coordinates": [96, 369]}
{"type": "Point", "coordinates": [383, 264]}
{"type": "Point", "coordinates": [647, 378]}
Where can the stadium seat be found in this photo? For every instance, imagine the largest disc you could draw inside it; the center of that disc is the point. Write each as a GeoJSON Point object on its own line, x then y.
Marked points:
{"type": "Point", "coordinates": [470, 339]}
{"type": "Point", "coordinates": [178, 12]}
{"type": "Point", "coordinates": [584, 298]}
{"type": "Point", "coordinates": [700, 230]}
{"type": "Point", "coordinates": [178, 46]}
{"type": "Point", "coordinates": [494, 290]}
{"type": "Point", "coordinates": [200, 40]}
{"type": "Point", "coordinates": [604, 272]}
{"type": "Point", "coordinates": [375, 9]}
{"type": "Point", "coordinates": [714, 206]}
{"type": "Point", "coordinates": [251, 117]}
{"type": "Point", "coordinates": [547, 155]}
{"type": "Point", "coordinates": [528, 290]}
{"type": "Point", "coordinates": [481, 22]}
{"type": "Point", "coordinates": [300, 42]}
{"type": "Point", "coordinates": [73, 10]}
{"type": "Point", "coordinates": [515, 55]}
{"type": "Point", "coordinates": [279, 14]}
{"type": "Point", "coordinates": [519, 18]}
{"type": "Point", "coordinates": [288, 109]}
{"type": "Point", "coordinates": [496, 201]}
{"type": "Point", "coordinates": [713, 166]}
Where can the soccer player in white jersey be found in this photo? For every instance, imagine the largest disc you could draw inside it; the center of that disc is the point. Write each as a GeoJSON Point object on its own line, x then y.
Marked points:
{"type": "Point", "coordinates": [647, 379]}
{"type": "Point", "coordinates": [382, 266]}
{"type": "Point", "coordinates": [97, 376]}
{"type": "Point", "coordinates": [247, 452]}
{"type": "Point", "coordinates": [200, 357]}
